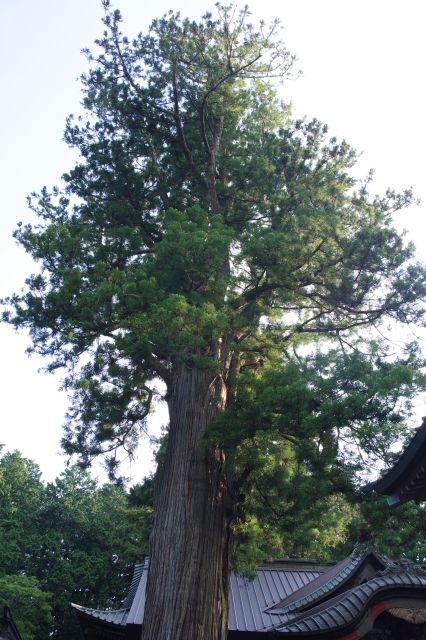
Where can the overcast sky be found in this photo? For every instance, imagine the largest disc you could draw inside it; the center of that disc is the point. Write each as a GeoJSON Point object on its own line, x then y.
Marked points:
{"type": "Point", "coordinates": [363, 65]}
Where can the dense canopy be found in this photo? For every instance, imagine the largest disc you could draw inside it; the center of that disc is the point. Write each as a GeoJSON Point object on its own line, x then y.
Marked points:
{"type": "Point", "coordinates": [203, 238]}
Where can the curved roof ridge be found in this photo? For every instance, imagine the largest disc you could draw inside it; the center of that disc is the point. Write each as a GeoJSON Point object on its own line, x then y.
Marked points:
{"type": "Point", "coordinates": [327, 582]}
{"type": "Point", "coordinates": [349, 605]}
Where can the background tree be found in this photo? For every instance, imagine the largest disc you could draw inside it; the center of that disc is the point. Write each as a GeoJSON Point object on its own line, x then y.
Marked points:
{"type": "Point", "coordinates": [31, 606]}
{"type": "Point", "coordinates": [89, 546]}
{"type": "Point", "coordinates": [67, 541]}
{"type": "Point", "coordinates": [21, 499]}
{"type": "Point", "coordinates": [201, 230]}
{"type": "Point", "coordinates": [399, 533]}
{"type": "Point", "coordinates": [93, 538]}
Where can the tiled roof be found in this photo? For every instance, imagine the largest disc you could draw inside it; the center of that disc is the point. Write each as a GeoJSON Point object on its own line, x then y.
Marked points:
{"type": "Point", "coordinates": [133, 605]}
{"type": "Point", "coordinates": [137, 574]}
{"type": "Point", "coordinates": [137, 608]}
{"type": "Point", "coordinates": [329, 582]}
{"type": "Point", "coordinates": [250, 597]}
{"type": "Point", "coordinates": [8, 629]}
{"type": "Point", "coordinates": [272, 598]}
{"type": "Point", "coordinates": [345, 609]}
{"type": "Point", "coordinates": [117, 617]}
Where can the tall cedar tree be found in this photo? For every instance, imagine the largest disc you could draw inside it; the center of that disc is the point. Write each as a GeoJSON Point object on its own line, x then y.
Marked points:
{"type": "Point", "coordinates": [200, 226]}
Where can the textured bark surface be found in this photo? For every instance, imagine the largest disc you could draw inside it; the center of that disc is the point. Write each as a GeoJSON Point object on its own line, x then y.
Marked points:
{"type": "Point", "coordinates": [187, 592]}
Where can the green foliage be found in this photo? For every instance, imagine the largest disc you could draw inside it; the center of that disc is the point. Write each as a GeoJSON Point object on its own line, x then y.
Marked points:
{"type": "Point", "coordinates": [21, 498]}
{"type": "Point", "coordinates": [398, 532]}
{"type": "Point", "coordinates": [199, 217]}
{"type": "Point", "coordinates": [306, 427]}
{"type": "Point", "coordinates": [30, 605]}
{"type": "Point", "coordinates": [205, 229]}
{"type": "Point", "coordinates": [93, 540]}
{"type": "Point", "coordinates": [67, 541]}
{"type": "Point", "coordinates": [21, 539]}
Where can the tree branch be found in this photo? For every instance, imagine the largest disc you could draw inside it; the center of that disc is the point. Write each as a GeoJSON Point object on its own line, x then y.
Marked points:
{"type": "Point", "coordinates": [231, 74]}
{"type": "Point", "coordinates": [181, 133]}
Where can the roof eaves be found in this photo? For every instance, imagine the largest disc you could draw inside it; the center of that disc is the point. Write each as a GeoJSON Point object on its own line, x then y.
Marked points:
{"type": "Point", "coordinates": [345, 610]}
{"type": "Point", "coordinates": [116, 618]}
{"type": "Point", "coordinates": [350, 565]}
{"type": "Point", "coordinates": [401, 468]}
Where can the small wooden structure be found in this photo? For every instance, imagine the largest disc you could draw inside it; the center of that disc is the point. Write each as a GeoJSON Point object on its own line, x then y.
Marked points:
{"type": "Point", "coordinates": [406, 480]}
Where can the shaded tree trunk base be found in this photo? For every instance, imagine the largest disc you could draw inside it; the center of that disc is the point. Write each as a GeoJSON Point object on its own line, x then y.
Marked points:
{"type": "Point", "coordinates": [191, 540]}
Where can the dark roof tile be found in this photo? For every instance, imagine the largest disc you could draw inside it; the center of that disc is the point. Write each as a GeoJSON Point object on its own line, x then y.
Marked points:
{"type": "Point", "coordinates": [328, 582]}
{"type": "Point", "coordinates": [343, 610]}
{"type": "Point", "coordinates": [252, 598]}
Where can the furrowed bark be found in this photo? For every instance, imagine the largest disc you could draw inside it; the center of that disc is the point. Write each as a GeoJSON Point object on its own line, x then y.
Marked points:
{"type": "Point", "coordinates": [187, 592]}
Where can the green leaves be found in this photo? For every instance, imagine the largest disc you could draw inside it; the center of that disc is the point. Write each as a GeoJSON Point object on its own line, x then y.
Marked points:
{"type": "Point", "coordinates": [67, 541]}
{"type": "Point", "coordinates": [192, 251]}
{"type": "Point", "coordinates": [21, 495]}
{"type": "Point", "coordinates": [298, 435]}
{"type": "Point", "coordinates": [30, 605]}
{"type": "Point", "coordinates": [201, 224]}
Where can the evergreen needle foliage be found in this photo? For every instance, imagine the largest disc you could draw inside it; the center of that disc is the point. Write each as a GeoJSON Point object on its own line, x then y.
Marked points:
{"type": "Point", "coordinates": [203, 234]}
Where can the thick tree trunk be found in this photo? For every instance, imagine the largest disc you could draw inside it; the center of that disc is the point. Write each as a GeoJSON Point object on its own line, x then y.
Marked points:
{"type": "Point", "coordinates": [187, 592]}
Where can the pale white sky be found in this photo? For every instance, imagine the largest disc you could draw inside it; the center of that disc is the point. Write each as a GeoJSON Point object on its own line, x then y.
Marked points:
{"type": "Point", "coordinates": [364, 75]}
